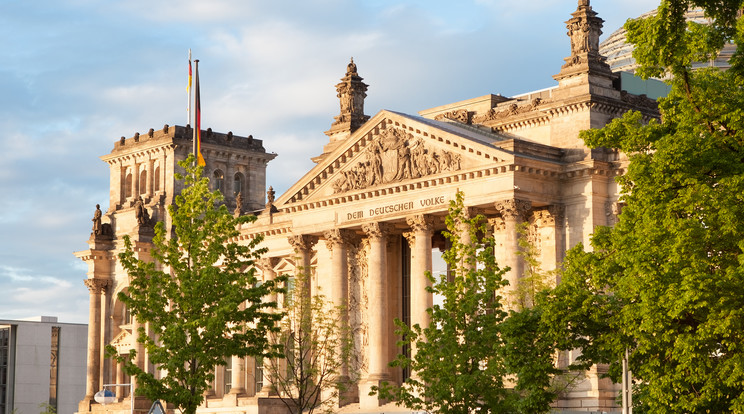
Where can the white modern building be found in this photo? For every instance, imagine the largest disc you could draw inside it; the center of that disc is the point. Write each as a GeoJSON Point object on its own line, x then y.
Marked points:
{"type": "Point", "coordinates": [42, 365]}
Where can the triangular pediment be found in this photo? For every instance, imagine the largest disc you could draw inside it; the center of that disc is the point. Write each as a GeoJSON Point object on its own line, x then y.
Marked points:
{"type": "Point", "coordinates": [123, 342]}
{"type": "Point", "coordinates": [392, 149]}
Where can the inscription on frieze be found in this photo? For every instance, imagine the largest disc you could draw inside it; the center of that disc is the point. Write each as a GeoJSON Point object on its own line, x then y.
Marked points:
{"type": "Point", "coordinates": [392, 208]}
{"type": "Point", "coordinates": [395, 155]}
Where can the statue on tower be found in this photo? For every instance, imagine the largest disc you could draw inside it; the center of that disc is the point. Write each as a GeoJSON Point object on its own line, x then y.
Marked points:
{"type": "Point", "coordinates": [97, 220]}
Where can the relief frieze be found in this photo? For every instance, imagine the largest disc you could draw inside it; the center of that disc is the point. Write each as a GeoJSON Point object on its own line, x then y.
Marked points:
{"type": "Point", "coordinates": [511, 110]}
{"type": "Point", "coordinates": [393, 156]}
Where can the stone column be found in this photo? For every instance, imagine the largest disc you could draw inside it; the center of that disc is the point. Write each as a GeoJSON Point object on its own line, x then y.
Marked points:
{"type": "Point", "coordinates": [93, 380]}
{"type": "Point", "coordinates": [378, 313]}
{"type": "Point", "coordinates": [139, 358]}
{"type": "Point", "coordinates": [150, 176]}
{"type": "Point", "coordinates": [463, 230]}
{"type": "Point", "coordinates": [336, 241]}
{"type": "Point", "coordinates": [303, 246]}
{"type": "Point", "coordinates": [267, 267]}
{"type": "Point", "coordinates": [120, 378]}
{"type": "Point", "coordinates": [135, 180]}
{"type": "Point", "coordinates": [422, 227]}
{"type": "Point", "coordinates": [229, 178]}
{"type": "Point", "coordinates": [238, 376]}
{"type": "Point", "coordinates": [513, 212]}
{"type": "Point", "coordinates": [106, 332]}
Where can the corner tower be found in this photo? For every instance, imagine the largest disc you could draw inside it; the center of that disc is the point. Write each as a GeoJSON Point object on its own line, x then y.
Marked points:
{"type": "Point", "coordinates": [142, 185]}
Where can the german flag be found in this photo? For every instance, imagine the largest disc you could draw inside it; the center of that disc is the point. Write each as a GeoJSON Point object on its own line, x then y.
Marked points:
{"type": "Point", "coordinates": [197, 120]}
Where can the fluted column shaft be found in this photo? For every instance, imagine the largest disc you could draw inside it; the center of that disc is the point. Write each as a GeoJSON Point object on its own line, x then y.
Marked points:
{"type": "Point", "coordinates": [336, 241]}
{"type": "Point", "coordinates": [513, 213]}
{"type": "Point", "coordinates": [237, 375]}
{"type": "Point", "coordinates": [378, 309]}
{"type": "Point", "coordinates": [93, 378]}
{"type": "Point", "coordinates": [267, 267]}
{"type": "Point", "coordinates": [421, 299]}
{"type": "Point", "coordinates": [303, 246]}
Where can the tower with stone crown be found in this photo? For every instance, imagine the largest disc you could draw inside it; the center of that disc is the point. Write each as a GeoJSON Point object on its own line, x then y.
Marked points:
{"type": "Point", "coordinates": [142, 186]}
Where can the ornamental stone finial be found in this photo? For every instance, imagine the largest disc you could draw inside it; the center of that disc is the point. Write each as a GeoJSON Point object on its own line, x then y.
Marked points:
{"type": "Point", "coordinates": [351, 93]}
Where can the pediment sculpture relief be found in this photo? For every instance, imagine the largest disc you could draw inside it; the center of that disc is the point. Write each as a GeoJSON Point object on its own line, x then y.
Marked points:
{"type": "Point", "coordinates": [395, 156]}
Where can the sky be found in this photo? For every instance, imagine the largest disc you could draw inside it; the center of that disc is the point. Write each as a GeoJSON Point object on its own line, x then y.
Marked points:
{"type": "Point", "coordinates": [78, 74]}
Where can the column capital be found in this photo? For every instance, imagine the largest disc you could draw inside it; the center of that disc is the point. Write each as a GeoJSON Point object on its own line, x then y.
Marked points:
{"type": "Point", "coordinates": [377, 230]}
{"type": "Point", "coordinates": [497, 224]}
{"type": "Point", "coordinates": [303, 242]}
{"type": "Point", "coordinates": [558, 211]}
{"type": "Point", "coordinates": [513, 208]}
{"type": "Point", "coordinates": [543, 218]}
{"type": "Point", "coordinates": [338, 237]}
{"type": "Point", "coordinates": [267, 263]}
{"type": "Point", "coordinates": [421, 222]}
{"type": "Point", "coordinates": [410, 238]}
{"type": "Point", "coordinates": [97, 286]}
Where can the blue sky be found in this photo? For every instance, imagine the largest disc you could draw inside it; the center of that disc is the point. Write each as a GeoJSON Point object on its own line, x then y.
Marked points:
{"type": "Point", "coordinates": [78, 74]}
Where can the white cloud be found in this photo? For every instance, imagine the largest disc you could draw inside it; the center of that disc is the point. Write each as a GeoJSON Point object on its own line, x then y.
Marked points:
{"type": "Point", "coordinates": [81, 73]}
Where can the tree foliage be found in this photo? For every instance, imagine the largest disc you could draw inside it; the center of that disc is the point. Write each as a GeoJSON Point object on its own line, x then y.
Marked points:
{"type": "Point", "coordinates": [666, 281]}
{"type": "Point", "coordinates": [474, 355]}
{"type": "Point", "coordinates": [198, 296]}
{"type": "Point", "coordinates": [316, 344]}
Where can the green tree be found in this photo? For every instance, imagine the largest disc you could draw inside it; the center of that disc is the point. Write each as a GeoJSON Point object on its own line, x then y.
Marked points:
{"type": "Point", "coordinates": [666, 282]}
{"type": "Point", "coordinates": [317, 345]}
{"type": "Point", "coordinates": [199, 296]}
{"type": "Point", "coordinates": [472, 356]}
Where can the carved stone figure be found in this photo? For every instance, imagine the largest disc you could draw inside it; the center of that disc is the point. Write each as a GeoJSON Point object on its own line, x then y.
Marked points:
{"type": "Point", "coordinates": [270, 195]}
{"type": "Point", "coordinates": [238, 205]}
{"type": "Point", "coordinates": [140, 212]}
{"type": "Point", "coordinates": [97, 229]}
{"type": "Point", "coordinates": [395, 156]}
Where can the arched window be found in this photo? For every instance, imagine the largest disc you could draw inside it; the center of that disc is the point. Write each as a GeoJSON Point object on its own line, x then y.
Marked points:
{"type": "Point", "coordinates": [156, 179]}
{"type": "Point", "coordinates": [128, 185]}
{"type": "Point", "coordinates": [238, 184]}
{"type": "Point", "coordinates": [143, 182]}
{"type": "Point", "coordinates": [126, 316]}
{"type": "Point", "coordinates": [218, 180]}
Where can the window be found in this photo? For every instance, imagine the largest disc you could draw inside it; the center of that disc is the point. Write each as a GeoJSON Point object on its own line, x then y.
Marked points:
{"type": "Point", "coordinates": [126, 316]}
{"type": "Point", "coordinates": [238, 184]}
{"type": "Point", "coordinates": [290, 286]}
{"type": "Point", "coordinates": [259, 370]}
{"type": "Point", "coordinates": [156, 179]}
{"type": "Point", "coordinates": [218, 181]}
{"type": "Point", "coordinates": [143, 182]}
{"type": "Point", "coordinates": [228, 375]}
{"type": "Point", "coordinates": [128, 185]}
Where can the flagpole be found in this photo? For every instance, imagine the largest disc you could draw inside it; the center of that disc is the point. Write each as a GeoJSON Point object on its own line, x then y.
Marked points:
{"type": "Point", "coordinates": [196, 125]}
{"type": "Point", "coordinates": [188, 92]}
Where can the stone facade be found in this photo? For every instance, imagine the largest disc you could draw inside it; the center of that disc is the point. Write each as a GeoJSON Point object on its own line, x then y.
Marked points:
{"type": "Point", "coordinates": [366, 218]}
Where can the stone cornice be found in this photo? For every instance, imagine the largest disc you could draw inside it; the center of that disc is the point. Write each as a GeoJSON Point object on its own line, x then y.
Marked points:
{"type": "Point", "coordinates": [536, 115]}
